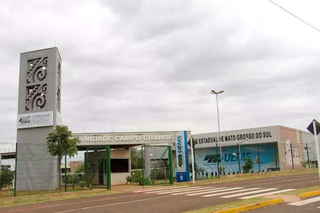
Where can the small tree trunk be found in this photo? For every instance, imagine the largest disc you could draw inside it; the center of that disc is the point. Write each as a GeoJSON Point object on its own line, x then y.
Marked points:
{"type": "Point", "coordinates": [59, 168]}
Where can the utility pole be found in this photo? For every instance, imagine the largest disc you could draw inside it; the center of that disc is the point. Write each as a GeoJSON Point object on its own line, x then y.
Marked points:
{"type": "Point", "coordinates": [259, 157]}
{"type": "Point", "coordinates": [218, 168]}
{"type": "Point", "coordinates": [217, 100]}
{"type": "Point", "coordinates": [239, 158]}
{"type": "Point", "coordinates": [192, 161]}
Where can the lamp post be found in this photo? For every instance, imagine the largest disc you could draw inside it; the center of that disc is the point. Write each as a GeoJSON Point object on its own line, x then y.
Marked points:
{"type": "Point", "coordinates": [239, 154]}
{"type": "Point", "coordinates": [217, 93]}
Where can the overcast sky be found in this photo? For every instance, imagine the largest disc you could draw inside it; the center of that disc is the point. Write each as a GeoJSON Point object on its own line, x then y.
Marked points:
{"type": "Point", "coordinates": [150, 65]}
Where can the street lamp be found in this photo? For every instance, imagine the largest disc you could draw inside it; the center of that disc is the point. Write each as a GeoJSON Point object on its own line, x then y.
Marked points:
{"type": "Point", "coordinates": [217, 93]}
{"type": "Point", "coordinates": [239, 154]}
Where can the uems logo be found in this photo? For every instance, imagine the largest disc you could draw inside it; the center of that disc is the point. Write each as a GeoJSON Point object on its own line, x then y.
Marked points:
{"type": "Point", "coordinates": [25, 120]}
{"type": "Point", "coordinates": [211, 158]}
{"type": "Point", "coordinates": [179, 148]}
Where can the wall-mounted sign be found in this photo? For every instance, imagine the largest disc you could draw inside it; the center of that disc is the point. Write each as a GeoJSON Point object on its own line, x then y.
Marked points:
{"type": "Point", "coordinates": [253, 135]}
{"type": "Point", "coordinates": [125, 138]}
{"type": "Point", "coordinates": [32, 120]}
{"type": "Point", "coordinates": [182, 157]}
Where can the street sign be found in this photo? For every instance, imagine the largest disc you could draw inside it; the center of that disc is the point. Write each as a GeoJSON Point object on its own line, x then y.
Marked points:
{"type": "Point", "coordinates": [314, 128]}
{"type": "Point", "coordinates": [310, 127]}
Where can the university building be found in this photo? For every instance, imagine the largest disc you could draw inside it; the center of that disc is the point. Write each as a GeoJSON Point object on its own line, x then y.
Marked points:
{"type": "Point", "coordinates": [108, 155]}
{"type": "Point", "coordinates": [271, 148]}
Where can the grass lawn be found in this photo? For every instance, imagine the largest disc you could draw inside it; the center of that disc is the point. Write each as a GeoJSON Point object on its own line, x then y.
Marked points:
{"type": "Point", "coordinates": [229, 205]}
{"type": "Point", "coordinates": [32, 197]}
{"type": "Point", "coordinates": [5, 193]}
{"type": "Point", "coordinates": [302, 190]}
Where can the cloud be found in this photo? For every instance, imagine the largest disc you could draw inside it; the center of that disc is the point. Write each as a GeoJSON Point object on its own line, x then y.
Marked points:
{"type": "Point", "coordinates": [140, 66]}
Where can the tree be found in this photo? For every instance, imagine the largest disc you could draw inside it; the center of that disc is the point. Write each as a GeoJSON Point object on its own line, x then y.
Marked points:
{"type": "Point", "coordinates": [80, 168]}
{"type": "Point", "coordinates": [6, 177]}
{"type": "Point", "coordinates": [59, 142]}
{"type": "Point", "coordinates": [248, 165]}
{"type": "Point", "coordinates": [136, 160]}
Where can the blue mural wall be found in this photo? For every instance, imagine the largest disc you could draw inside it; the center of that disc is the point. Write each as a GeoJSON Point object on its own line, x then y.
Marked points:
{"type": "Point", "coordinates": [207, 158]}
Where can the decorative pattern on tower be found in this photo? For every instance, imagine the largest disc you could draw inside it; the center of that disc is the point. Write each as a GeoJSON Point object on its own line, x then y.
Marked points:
{"type": "Point", "coordinates": [36, 88]}
{"type": "Point", "coordinates": [59, 87]}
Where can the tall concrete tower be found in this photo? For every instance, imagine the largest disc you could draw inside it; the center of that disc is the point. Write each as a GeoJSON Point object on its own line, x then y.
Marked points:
{"type": "Point", "coordinates": [38, 113]}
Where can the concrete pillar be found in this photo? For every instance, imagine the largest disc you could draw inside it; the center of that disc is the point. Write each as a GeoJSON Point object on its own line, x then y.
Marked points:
{"type": "Point", "coordinates": [38, 112]}
{"type": "Point", "coordinates": [147, 162]}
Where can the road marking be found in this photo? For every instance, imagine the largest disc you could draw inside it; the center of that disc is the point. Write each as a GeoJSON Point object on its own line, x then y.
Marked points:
{"type": "Point", "coordinates": [223, 189]}
{"type": "Point", "coordinates": [111, 204]}
{"type": "Point", "coordinates": [264, 194]}
{"type": "Point", "coordinates": [182, 190]}
{"type": "Point", "coordinates": [173, 190]}
{"type": "Point", "coordinates": [304, 202]}
{"type": "Point", "coordinates": [157, 189]}
{"type": "Point", "coordinates": [248, 193]}
{"type": "Point", "coordinates": [199, 190]}
{"type": "Point", "coordinates": [224, 193]}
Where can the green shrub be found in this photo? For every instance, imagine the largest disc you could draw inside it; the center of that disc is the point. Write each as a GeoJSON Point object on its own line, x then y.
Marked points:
{"type": "Point", "coordinates": [248, 165]}
{"type": "Point", "coordinates": [82, 184]}
{"type": "Point", "coordinates": [145, 181]}
{"type": "Point", "coordinates": [137, 177]}
{"type": "Point", "coordinates": [304, 164]}
{"type": "Point", "coordinates": [129, 179]}
{"type": "Point", "coordinates": [6, 177]}
{"type": "Point", "coordinates": [80, 168]}
{"type": "Point", "coordinates": [222, 169]}
{"type": "Point", "coordinates": [72, 179]}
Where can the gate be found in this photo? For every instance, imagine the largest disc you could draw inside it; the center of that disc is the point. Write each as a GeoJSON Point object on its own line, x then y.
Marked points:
{"type": "Point", "coordinates": [157, 164]}
{"type": "Point", "coordinates": [94, 169]}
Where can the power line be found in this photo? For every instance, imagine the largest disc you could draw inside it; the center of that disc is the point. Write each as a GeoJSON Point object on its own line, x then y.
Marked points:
{"type": "Point", "coordinates": [295, 16]}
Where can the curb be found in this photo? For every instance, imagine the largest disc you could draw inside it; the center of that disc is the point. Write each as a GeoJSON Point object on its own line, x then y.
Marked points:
{"type": "Point", "coordinates": [309, 194]}
{"type": "Point", "coordinates": [252, 206]}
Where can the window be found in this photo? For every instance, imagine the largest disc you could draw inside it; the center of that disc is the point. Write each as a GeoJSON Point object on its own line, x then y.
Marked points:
{"type": "Point", "coordinates": [119, 165]}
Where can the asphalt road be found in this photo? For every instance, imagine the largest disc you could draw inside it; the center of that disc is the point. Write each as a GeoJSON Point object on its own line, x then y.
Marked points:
{"type": "Point", "coordinates": [167, 201]}
{"type": "Point", "coordinates": [281, 208]}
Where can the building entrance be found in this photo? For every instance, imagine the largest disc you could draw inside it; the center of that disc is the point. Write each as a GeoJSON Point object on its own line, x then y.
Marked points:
{"type": "Point", "coordinates": [114, 168]}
